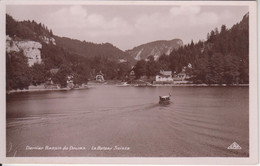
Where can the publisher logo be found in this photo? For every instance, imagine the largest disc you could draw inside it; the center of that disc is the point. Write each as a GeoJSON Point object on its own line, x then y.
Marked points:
{"type": "Point", "coordinates": [234, 145]}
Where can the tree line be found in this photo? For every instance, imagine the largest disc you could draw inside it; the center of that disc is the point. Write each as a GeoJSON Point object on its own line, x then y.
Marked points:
{"type": "Point", "coordinates": [222, 59]}
{"type": "Point", "coordinates": [55, 57]}
{"type": "Point", "coordinates": [20, 75]}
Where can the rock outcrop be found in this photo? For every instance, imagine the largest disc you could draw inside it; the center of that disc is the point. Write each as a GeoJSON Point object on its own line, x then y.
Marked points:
{"type": "Point", "coordinates": [155, 49]}
{"type": "Point", "coordinates": [30, 49]}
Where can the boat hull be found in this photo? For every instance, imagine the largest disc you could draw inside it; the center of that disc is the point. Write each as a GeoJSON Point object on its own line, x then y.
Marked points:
{"type": "Point", "coordinates": [164, 102]}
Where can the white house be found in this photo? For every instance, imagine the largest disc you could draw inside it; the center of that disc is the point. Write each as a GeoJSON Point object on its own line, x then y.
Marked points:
{"type": "Point", "coordinates": [164, 76]}
{"type": "Point", "coordinates": [182, 77]}
{"type": "Point", "coordinates": [70, 83]}
{"type": "Point", "coordinates": [100, 78]}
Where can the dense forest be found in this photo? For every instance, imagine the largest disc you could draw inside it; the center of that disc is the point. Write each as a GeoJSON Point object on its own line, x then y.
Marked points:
{"type": "Point", "coordinates": [222, 59]}
{"type": "Point", "coordinates": [88, 49]}
{"type": "Point", "coordinates": [26, 29]}
{"type": "Point", "coordinates": [103, 58]}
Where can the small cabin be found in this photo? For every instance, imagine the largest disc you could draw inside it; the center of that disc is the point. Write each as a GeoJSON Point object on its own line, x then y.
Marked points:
{"type": "Point", "coordinates": [181, 78]}
{"type": "Point", "coordinates": [100, 78]}
{"type": "Point", "coordinates": [70, 83]}
{"type": "Point", "coordinates": [132, 73]}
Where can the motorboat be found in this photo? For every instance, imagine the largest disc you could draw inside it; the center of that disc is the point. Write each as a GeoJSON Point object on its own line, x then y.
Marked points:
{"type": "Point", "coordinates": [165, 99]}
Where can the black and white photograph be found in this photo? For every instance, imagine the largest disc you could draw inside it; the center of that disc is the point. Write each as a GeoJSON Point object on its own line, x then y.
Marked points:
{"type": "Point", "coordinates": [128, 80]}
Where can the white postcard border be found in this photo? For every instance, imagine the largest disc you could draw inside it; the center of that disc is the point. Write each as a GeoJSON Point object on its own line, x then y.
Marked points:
{"type": "Point", "coordinates": [253, 94]}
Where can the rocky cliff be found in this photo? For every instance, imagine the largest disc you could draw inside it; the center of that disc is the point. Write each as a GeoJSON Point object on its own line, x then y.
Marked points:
{"type": "Point", "coordinates": [155, 49]}
{"type": "Point", "coordinates": [30, 49]}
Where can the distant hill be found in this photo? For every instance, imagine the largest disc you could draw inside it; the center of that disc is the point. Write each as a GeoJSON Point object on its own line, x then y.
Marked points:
{"type": "Point", "coordinates": [156, 49]}
{"type": "Point", "coordinates": [88, 49]}
{"type": "Point", "coordinates": [222, 59]}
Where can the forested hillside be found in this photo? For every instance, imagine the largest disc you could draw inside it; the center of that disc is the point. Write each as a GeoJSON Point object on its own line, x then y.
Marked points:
{"type": "Point", "coordinates": [29, 30]}
{"type": "Point", "coordinates": [222, 59]}
{"type": "Point", "coordinates": [88, 49]}
{"type": "Point", "coordinates": [33, 52]}
{"type": "Point", "coordinates": [63, 55]}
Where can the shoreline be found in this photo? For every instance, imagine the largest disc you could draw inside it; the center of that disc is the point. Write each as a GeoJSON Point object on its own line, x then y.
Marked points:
{"type": "Point", "coordinates": [42, 90]}
{"type": "Point", "coordinates": [203, 85]}
{"type": "Point", "coordinates": [128, 85]}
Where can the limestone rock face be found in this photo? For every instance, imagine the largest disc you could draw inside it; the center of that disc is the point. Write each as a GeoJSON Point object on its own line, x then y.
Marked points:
{"type": "Point", "coordinates": [30, 49]}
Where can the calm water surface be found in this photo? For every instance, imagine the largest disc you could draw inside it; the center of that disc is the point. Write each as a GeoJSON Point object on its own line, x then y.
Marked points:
{"type": "Point", "coordinates": [200, 121]}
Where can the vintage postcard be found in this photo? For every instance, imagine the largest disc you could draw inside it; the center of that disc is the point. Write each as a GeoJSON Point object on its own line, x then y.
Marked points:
{"type": "Point", "coordinates": [171, 82]}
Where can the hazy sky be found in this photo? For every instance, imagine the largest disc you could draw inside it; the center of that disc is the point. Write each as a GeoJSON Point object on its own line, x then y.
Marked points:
{"type": "Point", "coordinates": [129, 26]}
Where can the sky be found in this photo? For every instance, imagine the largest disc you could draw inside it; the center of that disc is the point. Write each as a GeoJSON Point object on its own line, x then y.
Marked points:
{"type": "Point", "coordinates": [127, 26]}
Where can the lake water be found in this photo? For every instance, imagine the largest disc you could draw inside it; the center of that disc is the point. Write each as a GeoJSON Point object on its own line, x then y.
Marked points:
{"type": "Point", "coordinates": [128, 121]}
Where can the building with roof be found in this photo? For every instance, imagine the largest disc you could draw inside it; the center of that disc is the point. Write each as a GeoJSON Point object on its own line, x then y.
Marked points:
{"type": "Point", "coordinates": [100, 77]}
{"type": "Point", "coordinates": [164, 77]}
